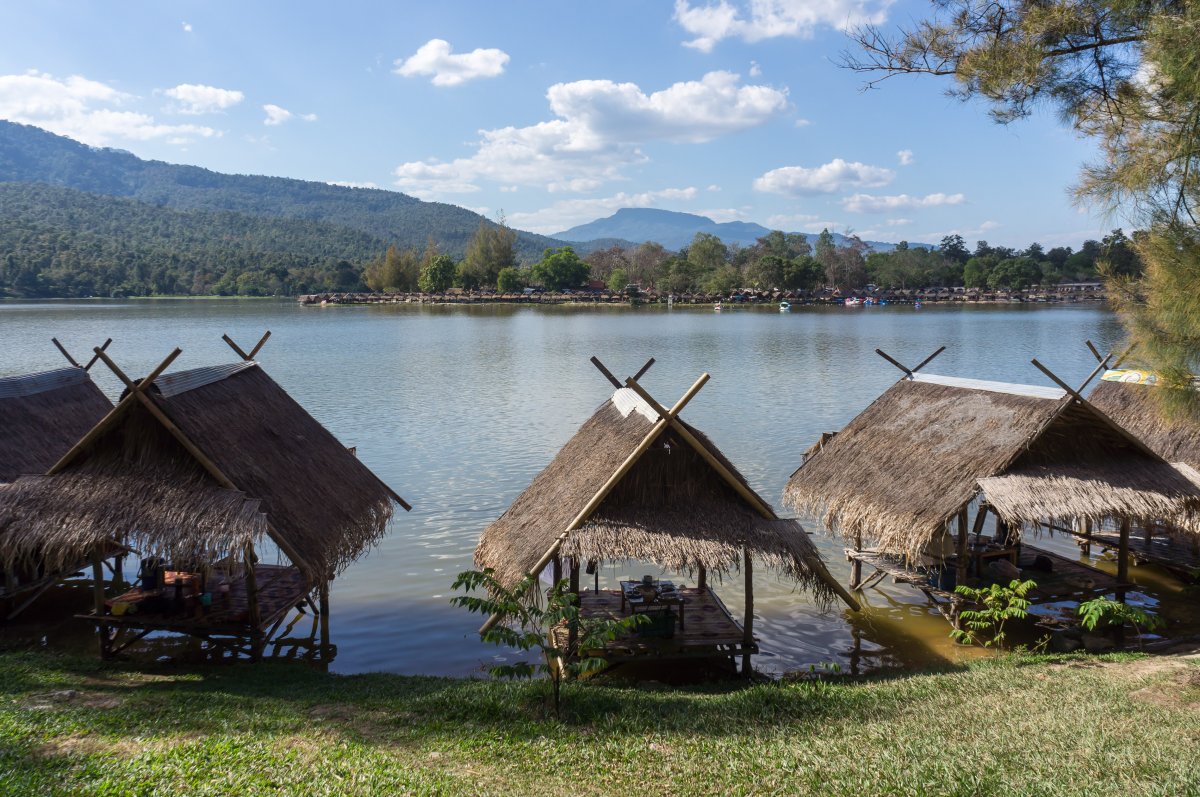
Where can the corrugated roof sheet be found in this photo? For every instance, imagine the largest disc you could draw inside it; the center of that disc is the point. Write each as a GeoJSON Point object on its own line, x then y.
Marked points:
{"type": "Point", "coordinates": [1033, 391]}
{"type": "Point", "coordinates": [32, 384]}
{"type": "Point", "coordinates": [182, 381]}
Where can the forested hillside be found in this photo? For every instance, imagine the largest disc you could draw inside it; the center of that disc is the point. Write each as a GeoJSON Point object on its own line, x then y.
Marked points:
{"type": "Point", "coordinates": [59, 242]}
{"type": "Point", "coordinates": [29, 154]}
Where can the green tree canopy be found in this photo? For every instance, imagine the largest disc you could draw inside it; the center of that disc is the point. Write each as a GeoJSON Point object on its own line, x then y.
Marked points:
{"type": "Point", "coordinates": [437, 274]}
{"type": "Point", "coordinates": [560, 268]}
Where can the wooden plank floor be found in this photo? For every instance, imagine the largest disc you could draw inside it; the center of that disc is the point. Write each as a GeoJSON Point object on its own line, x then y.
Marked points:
{"type": "Point", "coordinates": [709, 629]}
{"type": "Point", "coordinates": [280, 589]}
{"type": "Point", "coordinates": [1178, 556]}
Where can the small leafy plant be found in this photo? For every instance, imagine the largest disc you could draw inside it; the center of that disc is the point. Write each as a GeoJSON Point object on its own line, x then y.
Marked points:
{"type": "Point", "coordinates": [1103, 613]}
{"type": "Point", "coordinates": [545, 629]}
{"type": "Point", "coordinates": [997, 605]}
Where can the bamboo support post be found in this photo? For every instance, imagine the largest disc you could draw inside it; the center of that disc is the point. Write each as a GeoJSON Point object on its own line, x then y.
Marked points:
{"type": "Point", "coordinates": [960, 575]}
{"type": "Point", "coordinates": [253, 608]}
{"type": "Point", "coordinates": [556, 570]}
{"type": "Point", "coordinates": [573, 630]}
{"type": "Point", "coordinates": [98, 598]}
{"type": "Point", "coordinates": [856, 563]}
{"type": "Point", "coordinates": [324, 610]}
{"type": "Point", "coordinates": [1123, 558]}
{"type": "Point", "coordinates": [748, 625]}
{"type": "Point", "coordinates": [702, 578]}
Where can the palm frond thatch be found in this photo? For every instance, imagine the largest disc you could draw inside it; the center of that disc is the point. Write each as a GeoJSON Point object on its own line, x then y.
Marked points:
{"type": "Point", "coordinates": [906, 465]}
{"type": "Point", "coordinates": [42, 415]}
{"type": "Point", "coordinates": [1175, 438]}
{"type": "Point", "coordinates": [671, 508]}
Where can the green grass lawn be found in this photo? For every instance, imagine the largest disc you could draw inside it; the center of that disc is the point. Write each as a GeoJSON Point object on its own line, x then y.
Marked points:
{"type": "Point", "coordinates": [1053, 726]}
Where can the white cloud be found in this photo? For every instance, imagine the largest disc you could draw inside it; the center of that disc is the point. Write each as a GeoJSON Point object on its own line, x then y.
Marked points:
{"type": "Point", "coordinates": [714, 188]}
{"type": "Point", "coordinates": [85, 110]}
{"type": "Point", "coordinates": [569, 212]}
{"type": "Point", "coordinates": [353, 184]}
{"type": "Point", "coordinates": [803, 123]}
{"type": "Point", "coordinates": [782, 220]}
{"type": "Point", "coordinates": [755, 69]}
{"type": "Point", "coordinates": [766, 19]}
{"type": "Point", "coordinates": [825, 179]}
{"type": "Point", "coordinates": [868, 203]}
{"type": "Point", "coordinates": [599, 130]}
{"type": "Point", "coordinates": [898, 222]}
{"type": "Point", "coordinates": [187, 27]}
{"type": "Point", "coordinates": [983, 228]}
{"type": "Point", "coordinates": [277, 115]}
{"type": "Point", "coordinates": [194, 98]}
{"type": "Point", "coordinates": [725, 214]}
{"type": "Point", "coordinates": [905, 157]}
{"type": "Point", "coordinates": [434, 57]}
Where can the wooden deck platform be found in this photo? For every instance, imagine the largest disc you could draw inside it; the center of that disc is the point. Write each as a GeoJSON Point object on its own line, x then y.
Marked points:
{"type": "Point", "coordinates": [226, 623]}
{"type": "Point", "coordinates": [1067, 580]}
{"type": "Point", "coordinates": [1180, 558]}
{"type": "Point", "coordinates": [709, 629]}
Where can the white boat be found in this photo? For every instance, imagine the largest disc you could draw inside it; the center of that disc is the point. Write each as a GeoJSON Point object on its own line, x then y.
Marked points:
{"type": "Point", "coordinates": [853, 301]}
{"type": "Point", "coordinates": [717, 306]}
{"type": "Point", "coordinates": [785, 307]}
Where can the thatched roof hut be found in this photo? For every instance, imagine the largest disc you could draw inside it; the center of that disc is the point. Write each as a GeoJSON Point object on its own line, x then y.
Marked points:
{"type": "Point", "coordinates": [672, 506]}
{"type": "Point", "coordinates": [930, 445]}
{"type": "Point", "coordinates": [285, 477]}
{"type": "Point", "coordinates": [41, 417]}
{"type": "Point", "coordinates": [1134, 405]}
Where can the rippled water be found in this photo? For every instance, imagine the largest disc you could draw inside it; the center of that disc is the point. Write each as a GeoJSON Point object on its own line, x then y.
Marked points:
{"type": "Point", "coordinates": [459, 407]}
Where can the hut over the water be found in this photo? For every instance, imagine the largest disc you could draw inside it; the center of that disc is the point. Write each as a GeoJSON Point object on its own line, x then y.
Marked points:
{"type": "Point", "coordinates": [1134, 399]}
{"type": "Point", "coordinates": [636, 483]}
{"type": "Point", "coordinates": [199, 470]}
{"type": "Point", "coordinates": [41, 416]}
{"type": "Point", "coordinates": [908, 468]}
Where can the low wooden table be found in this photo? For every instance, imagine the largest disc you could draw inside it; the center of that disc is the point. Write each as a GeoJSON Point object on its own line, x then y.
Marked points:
{"type": "Point", "coordinates": [665, 595]}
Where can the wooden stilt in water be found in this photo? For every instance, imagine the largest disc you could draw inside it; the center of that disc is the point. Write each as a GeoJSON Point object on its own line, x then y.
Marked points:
{"type": "Point", "coordinates": [748, 626]}
{"type": "Point", "coordinates": [573, 632]}
{"type": "Point", "coordinates": [856, 563]}
{"type": "Point", "coordinates": [1123, 559]}
{"type": "Point", "coordinates": [702, 578]}
{"type": "Point", "coordinates": [556, 569]}
{"type": "Point", "coordinates": [960, 574]}
{"type": "Point", "coordinates": [98, 598]}
{"type": "Point", "coordinates": [323, 598]}
{"type": "Point", "coordinates": [254, 611]}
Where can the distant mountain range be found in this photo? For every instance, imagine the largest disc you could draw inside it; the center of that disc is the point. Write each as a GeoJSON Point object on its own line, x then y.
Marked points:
{"type": "Point", "coordinates": [676, 230]}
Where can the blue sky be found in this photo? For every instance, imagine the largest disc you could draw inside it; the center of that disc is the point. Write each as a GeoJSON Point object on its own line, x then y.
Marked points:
{"type": "Point", "coordinates": [554, 113]}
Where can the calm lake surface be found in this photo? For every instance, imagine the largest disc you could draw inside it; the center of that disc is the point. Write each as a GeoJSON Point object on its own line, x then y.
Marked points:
{"type": "Point", "coordinates": [457, 408]}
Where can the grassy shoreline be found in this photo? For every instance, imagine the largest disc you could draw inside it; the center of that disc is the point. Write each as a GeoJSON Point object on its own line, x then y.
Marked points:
{"type": "Point", "coordinates": [1035, 725]}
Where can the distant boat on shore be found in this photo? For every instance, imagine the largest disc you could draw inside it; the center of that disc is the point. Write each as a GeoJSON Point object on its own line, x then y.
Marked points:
{"type": "Point", "coordinates": [785, 306]}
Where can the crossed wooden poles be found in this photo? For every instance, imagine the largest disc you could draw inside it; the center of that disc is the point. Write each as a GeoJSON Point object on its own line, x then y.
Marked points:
{"type": "Point", "coordinates": [667, 418]}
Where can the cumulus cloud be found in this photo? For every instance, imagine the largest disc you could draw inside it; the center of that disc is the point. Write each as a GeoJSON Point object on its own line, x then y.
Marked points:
{"type": "Point", "coordinates": [985, 227]}
{"type": "Point", "coordinates": [194, 98]}
{"type": "Point", "coordinates": [825, 179]}
{"type": "Point", "coordinates": [756, 20]}
{"type": "Point", "coordinates": [86, 110]}
{"type": "Point", "coordinates": [905, 156]}
{"type": "Point", "coordinates": [277, 116]}
{"type": "Point", "coordinates": [187, 27]}
{"type": "Point", "coordinates": [898, 222]}
{"type": "Point", "coordinates": [569, 212]}
{"type": "Point", "coordinates": [725, 214]}
{"type": "Point", "coordinates": [599, 129]}
{"type": "Point", "coordinates": [353, 184]}
{"type": "Point", "coordinates": [434, 57]}
{"type": "Point", "coordinates": [868, 203]}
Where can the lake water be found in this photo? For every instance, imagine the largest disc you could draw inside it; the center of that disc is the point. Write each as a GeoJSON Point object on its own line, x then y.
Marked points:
{"type": "Point", "coordinates": [457, 408]}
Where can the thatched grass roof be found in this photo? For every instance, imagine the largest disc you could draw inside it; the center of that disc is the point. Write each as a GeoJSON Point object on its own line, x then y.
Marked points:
{"type": "Point", "coordinates": [906, 465]}
{"type": "Point", "coordinates": [42, 415]}
{"type": "Point", "coordinates": [671, 508]}
{"type": "Point", "coordinates": [1134, 406]}
{"type": "Point", "coordinates": [295, 482]}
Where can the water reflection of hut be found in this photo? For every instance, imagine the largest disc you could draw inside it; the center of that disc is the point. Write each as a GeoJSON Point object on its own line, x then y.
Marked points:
{"type": "Point", "coordinates": [1133, 398]}
{"type": "Point", "coordinates": [636, 483]}
{"type": "Point", "coordinates": [198, 470]}
{"type": "Point", "coordinates": [898, 482]}
{"type": "Point", "coordinates": [41, 417]}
